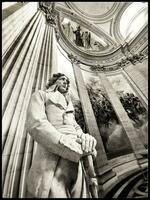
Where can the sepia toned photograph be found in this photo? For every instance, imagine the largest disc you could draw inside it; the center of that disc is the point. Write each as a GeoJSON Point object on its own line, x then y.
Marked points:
{"type": "Point", "coordinates": [75, 99]}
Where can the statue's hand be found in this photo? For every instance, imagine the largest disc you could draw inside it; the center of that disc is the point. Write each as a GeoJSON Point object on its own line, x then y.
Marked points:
{"type": "Point", "coordinates": [88, 144]}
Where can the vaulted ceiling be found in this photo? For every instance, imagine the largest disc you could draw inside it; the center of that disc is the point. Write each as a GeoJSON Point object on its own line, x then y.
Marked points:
{"type": "Point", "coordinates": [99, 30]}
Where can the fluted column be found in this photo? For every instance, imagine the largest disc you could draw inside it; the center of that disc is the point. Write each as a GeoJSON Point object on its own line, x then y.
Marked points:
{"type": "Point", "coordinates": [138, 79]}
{"type": "Point", "coordinates": [136, 144]}
{"type": "Point", "coordinates": [44, 73]}
{"type": "Point", "coordinates": [42, 63]}
{"type": "Point", "coordinates": [13, 71]}
{"type": "Point", "coordinates": [54, 63]}
{"type": "Point", "coordinates": [30, 145]}
{"type": "Point", "coordinates": [9, 64]}
{"type": "Point", "coordinates": [14, 140]}
{"type": "Point", "coordinates": [103, 170]}
{"type": "Point", "coordinates": [14, 24]}
{"type": "Point", "coordinates": [17, 168]}
{"type": "Point", "coordinates": [15, 80]}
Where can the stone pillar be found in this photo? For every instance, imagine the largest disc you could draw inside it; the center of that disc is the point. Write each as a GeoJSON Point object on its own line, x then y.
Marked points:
{"type": "Point", "coordinates": [27, 63]}
{"type": "Point", "coordinates": [125, 121]}
{"type": "Point", "coordinates": [15, 73]}
{"type": "Point", "coordinates": [15, 23]}
{"type": "Point", "coordinates": [43, 62]}
{"type": "Point", "coordinates": [16, 110]}
{"type": "Point", "coordinates": [54, 64]}
{"type": "Point", "coordinates": [15, 52]}
{"type": "Point", "coordinates": [138, 79]}
{"type": "Point", "coordinates": [103, 170]}
{"type": "Point", "coordinates": [30, 146]}
{"type": "Point", "coordinates": [45, 66]}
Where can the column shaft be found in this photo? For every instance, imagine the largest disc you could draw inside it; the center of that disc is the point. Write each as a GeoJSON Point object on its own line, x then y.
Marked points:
{"type": "Point", "coordinates": [138, 79]}
{"type": "Point", "coordinates": [54, 64]}
{"type": "Point", "coordinates": [20, 141]}
{"type": "Point", "coordinates": [13, 25]}
{"type": "Point", "coordinates": [7, 67]}
{"type": "Point", "coordinates": [21, 62]}
{"type": "Point", "coordinates": [17, 123]}
{"type": "Point", "coordinates": [42, 77]}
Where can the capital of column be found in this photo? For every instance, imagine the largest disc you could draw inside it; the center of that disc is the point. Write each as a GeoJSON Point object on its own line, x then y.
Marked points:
{"type": "Point", "coordinates": [49, 11]}
{"type": "Point", "coordinates": [73, 59]}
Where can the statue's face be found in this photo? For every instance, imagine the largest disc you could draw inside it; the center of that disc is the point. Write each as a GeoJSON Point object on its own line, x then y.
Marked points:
{"type": "Point", "coordinates": [62, 84]}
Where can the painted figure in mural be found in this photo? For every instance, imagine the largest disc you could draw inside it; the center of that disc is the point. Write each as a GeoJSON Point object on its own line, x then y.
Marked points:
{"type": "Point", "coordinates": [78, 34]}
{"type": "Point", "coordinates": [57, 169]}
{"type": "Point", "coordinates": [133, 107]}
{"type": "Point", "coordinates": [86, 39]}
{"type": "Point", "coordinates": [69, 31]}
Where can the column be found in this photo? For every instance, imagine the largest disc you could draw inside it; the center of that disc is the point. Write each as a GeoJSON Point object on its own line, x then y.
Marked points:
{"type": "Point", "coordinates": [15, 141]}
{"type": "Point", "coordinates": [45, 66]}
{"type": "Point", "coordinates": [14, 24]}
{"type": "Point", "coordinates": [14, 71]}
{"type": "Point", "coordinates": [138, 79]}
{"type": "Point", "coordinates": [54, 64]}
{"type": "Point", "coordinates": [27, 66]}
{"type": "Point", "coordinates": [30, 145]}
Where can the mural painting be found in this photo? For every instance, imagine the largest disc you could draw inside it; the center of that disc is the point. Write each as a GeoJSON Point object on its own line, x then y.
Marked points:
{"type": "Point", "coordinates": [133, 106]}
{"type": "Point", "coordinates": [83, 38]}
{"type": "Point", "coordinates": [115, 140]}
{"type": "Point", "coordinates": [113, 136]}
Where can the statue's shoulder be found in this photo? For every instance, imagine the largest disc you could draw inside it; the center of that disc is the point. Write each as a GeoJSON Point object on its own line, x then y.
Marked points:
{"type": "Point", "coordinates": [39, 93]}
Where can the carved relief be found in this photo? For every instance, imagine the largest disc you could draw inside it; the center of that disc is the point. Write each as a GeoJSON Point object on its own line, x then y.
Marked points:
{"type": "Point", "coordinates": [50, 13]}
{"type": "Point", "coordinates": [73, 58]}
{"type": "Point", "coordinates": [97, 68]}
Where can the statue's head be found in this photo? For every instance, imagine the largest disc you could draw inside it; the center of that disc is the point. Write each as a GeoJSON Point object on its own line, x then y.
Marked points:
{"type": "Point", "coordinates": [61, 81]}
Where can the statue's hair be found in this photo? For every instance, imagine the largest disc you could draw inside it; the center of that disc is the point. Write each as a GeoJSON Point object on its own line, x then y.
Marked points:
{"type": "Point", "coordinates": [54, 78]}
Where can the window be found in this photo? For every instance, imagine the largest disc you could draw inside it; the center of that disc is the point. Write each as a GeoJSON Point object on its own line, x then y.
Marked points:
{"type": "Point", "coordinates": [133, 19]}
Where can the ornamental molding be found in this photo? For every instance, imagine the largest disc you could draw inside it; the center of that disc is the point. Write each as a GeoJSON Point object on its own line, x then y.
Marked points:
{"type": "Point", "coordinates": [73, 59]}
{"type": "Point", "coordinates": [49, 11]}
{"type": "Point", "coordinates": [109, 60]}
{"type": "Point", "coordinates": [115, 62]}
{"type": "Point", "coordinates": [97, 18]}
